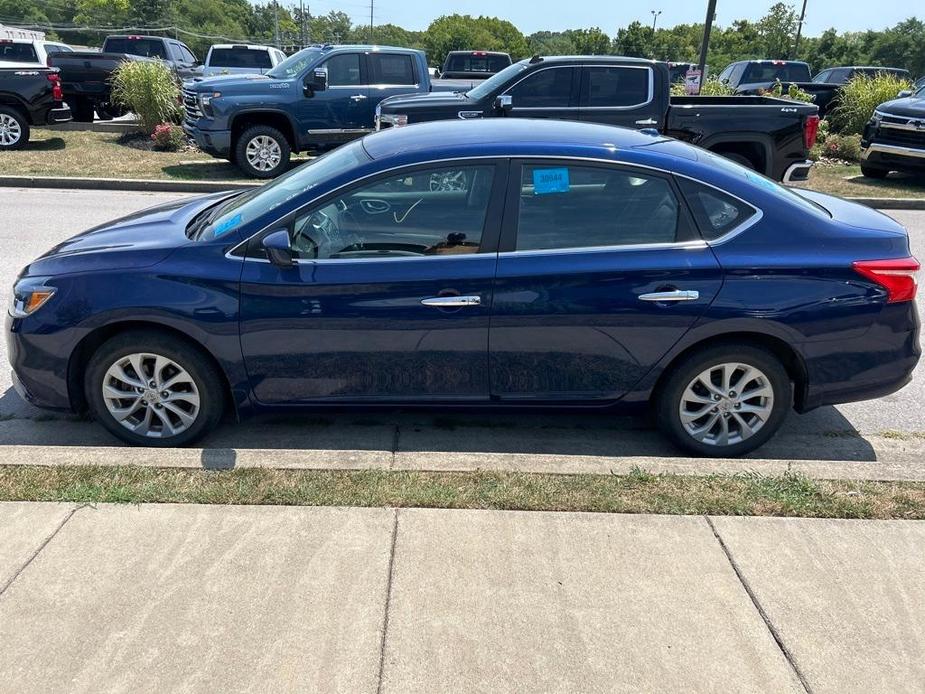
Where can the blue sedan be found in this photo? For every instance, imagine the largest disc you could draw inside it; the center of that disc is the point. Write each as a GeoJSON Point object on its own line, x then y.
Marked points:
{"type": "Point", "coordinates": [500, 263]}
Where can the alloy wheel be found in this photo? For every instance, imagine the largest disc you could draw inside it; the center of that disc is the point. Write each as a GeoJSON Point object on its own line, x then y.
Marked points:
{"type": "Point", "coordinates": [10, 130]}
{"type": "Point", "coordinates": [263, 153]}
{"type": "Point", "coordinates": [151, 395]}
{"type": "Point", "coordinates": [726, 404]}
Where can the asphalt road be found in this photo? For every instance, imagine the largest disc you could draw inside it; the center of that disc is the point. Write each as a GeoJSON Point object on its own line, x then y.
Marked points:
{"type": "Point", "coordinates": [31, 221]}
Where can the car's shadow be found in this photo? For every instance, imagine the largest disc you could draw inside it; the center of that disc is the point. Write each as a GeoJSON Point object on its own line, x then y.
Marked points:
{"type": "Point", "coordinates": [49, 144]}
{"type": "Point", "coordinates": [824, 434]}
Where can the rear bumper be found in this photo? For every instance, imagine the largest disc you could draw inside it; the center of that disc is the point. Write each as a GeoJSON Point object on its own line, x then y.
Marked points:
{"type": "Point", "coordinates": [61, 114]}
{"type": "Point", "coordinates": [798, 171]}
{"type": "Point", "coordinates": [214, 142]}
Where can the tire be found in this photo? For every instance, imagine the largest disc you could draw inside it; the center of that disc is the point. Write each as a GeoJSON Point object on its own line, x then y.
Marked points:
{"type": "Point", "coordinates": [82, 111]}
{"type": "Point", "coordinates": [766, 411]}
{"type": "Point", "coordinates": [14, 129]}
{"type": "Point", "coordinates": [196, 391]}
{"type": "Point", "coordinates": [269, 148]}
{"type": "Point", "coordinates": [871, 172]}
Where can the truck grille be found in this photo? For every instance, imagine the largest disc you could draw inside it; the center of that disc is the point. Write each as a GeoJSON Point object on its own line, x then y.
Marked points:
{"type": "Point", "coordinates": [191, 103]}
{"type": "Point", "coordinates": [904, 138]}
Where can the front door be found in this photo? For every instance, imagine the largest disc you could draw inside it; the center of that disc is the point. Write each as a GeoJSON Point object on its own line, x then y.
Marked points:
{"type": "Point", "coordinates": [550, 92]}
{"type": "Point", "coordinates": [390, 297]}
{"type": "Point", "coordinates": [601, 272]}
{"type": "Point", "coordinates": [342, 106]}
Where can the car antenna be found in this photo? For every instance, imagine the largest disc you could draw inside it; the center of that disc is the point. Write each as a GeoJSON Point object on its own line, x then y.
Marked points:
{"type": "Point", "coordinates": [536, 59]}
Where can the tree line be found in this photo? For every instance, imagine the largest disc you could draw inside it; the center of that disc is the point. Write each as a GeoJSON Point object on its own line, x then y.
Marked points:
{"type": "Point", "coordinates": [203, 22]}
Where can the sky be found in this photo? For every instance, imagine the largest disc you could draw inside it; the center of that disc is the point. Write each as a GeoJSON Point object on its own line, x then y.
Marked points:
{"type": "Point", "coordinates": [555, 15]}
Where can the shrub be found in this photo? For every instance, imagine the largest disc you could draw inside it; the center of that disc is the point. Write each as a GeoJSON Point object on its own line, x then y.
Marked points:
{"type": "Point", "coordinates": [168, 137]}
{"type": "Point", "coordinates": [856, 101]}
{"type": "Point", "coordinates": [834, 146]}
{"type": "Point", "coordinates": [712, 87]}
{"type": "Point", "coordinates": [793, 92]}
{"type": "Point", "coordinates": [148, 89]}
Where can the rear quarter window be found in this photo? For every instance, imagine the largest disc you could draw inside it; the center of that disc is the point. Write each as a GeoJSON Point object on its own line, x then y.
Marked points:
{"type": "Point", "coordinates": [17, 53]}
{"type": "Point", "coordinates": [715, 212]}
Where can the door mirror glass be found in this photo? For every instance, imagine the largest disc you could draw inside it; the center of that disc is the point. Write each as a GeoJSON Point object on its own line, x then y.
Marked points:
{"type": "Point", "coordinates": [505, 102]}
{"type": "Point", "coordinates": [316, 81]}
{"type": "Point", "coordinates": [278, 248]}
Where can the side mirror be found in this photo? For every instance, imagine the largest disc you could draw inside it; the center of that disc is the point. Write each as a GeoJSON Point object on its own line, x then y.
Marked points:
{"type": "Point", "coordinates": [278, 248]}
{"type": "Point", "coordinates": [316, 81]}
{"type": "Point", "coordinates": [505, 102]}
{"type": "Point", "coordinates": [904, 93]}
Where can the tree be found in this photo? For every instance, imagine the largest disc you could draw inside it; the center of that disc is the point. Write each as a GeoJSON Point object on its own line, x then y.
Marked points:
{"type": "Point", "coordinates": [589, 41]}
{"type": "Point", "coordinates": [777, 31]}
{"type": "Point", "coordinates": [464, 32]}
{"type": "Point", "coordinates": [551, 43]}
{"type": "Point", "coordinates": [635, 41]}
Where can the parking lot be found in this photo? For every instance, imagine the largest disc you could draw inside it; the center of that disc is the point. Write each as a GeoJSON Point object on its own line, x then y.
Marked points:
{"type": "Point", "coordinates": [889, 432]}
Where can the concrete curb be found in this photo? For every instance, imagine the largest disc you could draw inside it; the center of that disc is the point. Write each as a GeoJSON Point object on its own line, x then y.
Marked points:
{"type": "Point", "coordinates": [902, 463]}
{"type": "Point", "coordinates": [122, 184]}
{"type": "Point", "coordinates": [97, 127]}
{"type": "Point", "coordinates": [170, 186]}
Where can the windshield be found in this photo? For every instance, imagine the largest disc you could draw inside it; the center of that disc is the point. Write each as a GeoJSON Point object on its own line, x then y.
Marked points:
{"type": "Point", "coordinates": [295, 64]}
{"type": "Point", "coordinates": [764, 182]}
{"type": "Point", "coordinates": [246, 207]}
{"type": "Point", "coordinates": [496, 80]}
{"type": "Point", "coordinates": [239, 57]}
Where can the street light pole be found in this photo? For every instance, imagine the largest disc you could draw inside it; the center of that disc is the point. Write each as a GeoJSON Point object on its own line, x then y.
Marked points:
{"type": "Point", "coordinates": [705, 46]}
{"type": "Point", "coordinates": [655, 14]}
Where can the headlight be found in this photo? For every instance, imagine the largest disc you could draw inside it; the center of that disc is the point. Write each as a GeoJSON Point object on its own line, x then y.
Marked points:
{"type": "Point", "coordinates": [205, 101]}
{"type": "Point", "coordinates": [877, 117]}
{"type": "Point", "coordinates": [396, 120]}
{"type": "Point", "coordinates": [29, 295]}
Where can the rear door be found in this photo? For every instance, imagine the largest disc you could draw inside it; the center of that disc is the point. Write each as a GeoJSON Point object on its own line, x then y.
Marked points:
{"type": "Point", "coordinates": [601, 272]}
{"type": "Point", "coordinates": [389, 74]}
{"type": "Point", "coordinates": [619, 95]}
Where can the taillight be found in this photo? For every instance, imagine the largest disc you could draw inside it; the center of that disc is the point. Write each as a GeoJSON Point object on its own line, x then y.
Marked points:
{"type": "Point", "coordinates": [897, 276]}
{"type": "Point", "coordinates": [810, 129]}
{"type": "Point", "coordinates": [56, 92]}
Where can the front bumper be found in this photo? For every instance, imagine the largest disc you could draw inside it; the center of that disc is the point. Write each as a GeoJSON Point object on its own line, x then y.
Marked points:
{"type": "Point", "coordinates": [893, 156]}
{"type": "Point", "coordinates": [214, 142]}
{"type": "Point", "coordinates": [39, 373]}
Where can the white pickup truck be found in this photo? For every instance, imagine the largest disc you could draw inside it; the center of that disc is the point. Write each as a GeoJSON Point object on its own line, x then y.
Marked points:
{"type": "Point", "coordinates": [26, 48]}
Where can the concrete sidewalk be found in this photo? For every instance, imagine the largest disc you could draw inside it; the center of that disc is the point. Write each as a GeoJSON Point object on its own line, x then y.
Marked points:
{"type": "Point", "coordinates": [219, 598]}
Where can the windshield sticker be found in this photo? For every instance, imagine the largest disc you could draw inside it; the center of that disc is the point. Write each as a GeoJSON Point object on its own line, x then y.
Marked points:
{"type": "Point", "coordinates": [547, 181]}
{"type": "Point", "coordinates": [228, 225]}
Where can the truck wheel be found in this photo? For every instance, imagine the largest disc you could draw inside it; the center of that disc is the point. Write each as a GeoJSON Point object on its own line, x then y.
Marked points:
{"type": "Point", "coordinates": [262, 152]}
{"type": "Point", "coordinates": [870, 172]}
{"type": "Point", "coordinates": [82, 111]}
{"type": "Point", "coordinates": [14, 129]}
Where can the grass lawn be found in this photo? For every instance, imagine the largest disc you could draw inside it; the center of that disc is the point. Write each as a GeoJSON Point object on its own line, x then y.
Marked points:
{"type": "Point", "coordinates": [640, 492]}
{"type": "Point", "coordinates": [847, 182]}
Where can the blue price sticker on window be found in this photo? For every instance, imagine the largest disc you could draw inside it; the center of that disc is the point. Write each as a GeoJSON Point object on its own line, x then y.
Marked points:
{"type": "Point", "coordinates": [229, 224]}
{"type": "Point", "coordinates": [547, 181]}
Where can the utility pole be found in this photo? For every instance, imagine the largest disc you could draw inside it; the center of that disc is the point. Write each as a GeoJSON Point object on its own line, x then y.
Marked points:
{"type": "Point", "coordinates": [276, 21]}
{"type": "Point", "coordinates": [371, 21]}
{"type": "Point", "coordinates": [705, 46]}
{"type": "Point", "coordinates": [796, 45]}
{"type": "Point", "coordinates": [301, 24]}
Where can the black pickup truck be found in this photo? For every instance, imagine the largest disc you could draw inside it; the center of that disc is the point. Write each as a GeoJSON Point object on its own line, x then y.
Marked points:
{"type": "Point", "coordinates": [86, 75]}
{"type": "Point", "coordinates": [29, 97]}
{"type": "Point", "coordinates": [772, 136]}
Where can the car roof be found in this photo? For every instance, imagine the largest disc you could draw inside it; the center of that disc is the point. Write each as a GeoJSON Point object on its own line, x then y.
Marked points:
{"type": "Point", "coordinates": [590, 58]}
{"type": "Point", "coordinates": [505, 137]}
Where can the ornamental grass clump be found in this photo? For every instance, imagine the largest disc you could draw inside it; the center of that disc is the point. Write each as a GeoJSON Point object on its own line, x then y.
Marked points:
{"type": "Point", "coordinates": [149, 90]}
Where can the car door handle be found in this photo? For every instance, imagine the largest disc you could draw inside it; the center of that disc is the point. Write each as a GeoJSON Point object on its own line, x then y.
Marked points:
{"type": "Point", "coordinates": [647, 121]}
{"type": "Point", "coordinates": [676, 295]}
{"type": "Point", "coordinates": [358, 97]}
{"type": "Point", "coordinates": [452, 301]}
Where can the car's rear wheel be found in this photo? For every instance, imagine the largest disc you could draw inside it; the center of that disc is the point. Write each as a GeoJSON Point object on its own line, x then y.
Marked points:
{"type": "Point", "coordinates": [872, 172]}
{"type": "Point", "coordinates": [262, 152]}
{"type": "Point", "coordinates": [150, 389]}
{"type": "Point", "coordinates": [14, 129]}
{"type": "Point", "coordinates": [725, 401]}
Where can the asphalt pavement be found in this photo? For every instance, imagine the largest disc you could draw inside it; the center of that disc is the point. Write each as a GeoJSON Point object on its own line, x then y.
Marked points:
{"type": "Point", "coordinates": [888, 431]}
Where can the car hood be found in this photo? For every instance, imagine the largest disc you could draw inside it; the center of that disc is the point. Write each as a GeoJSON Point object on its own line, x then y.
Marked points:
{"type": "Point", "coordinates": [395, 104]}
{"type": "Point", "coordinates": [910, 107]}
{"type": "Point", "coordinates": [141, 239]}
{"type": "Point", "coordinates": [237, 84]}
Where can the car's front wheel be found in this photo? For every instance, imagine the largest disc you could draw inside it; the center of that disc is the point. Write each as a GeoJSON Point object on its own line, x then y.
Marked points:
{"type": "Point", "coordinates": [262, 152]}
{"type": "Point", "coordinates": [873, 172]}
{"type": "Point", "coordinates": [725, 401]}
{"type": "Point", "coordinates": [150, 389]}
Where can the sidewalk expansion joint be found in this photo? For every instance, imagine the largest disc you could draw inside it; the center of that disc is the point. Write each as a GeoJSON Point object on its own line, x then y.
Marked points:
{"type": "Point", "coordinates": [396, 438]}
{"type": "Point", "coordinates": [775, 634]}
{"type": "Point", "coordinates": [388, 603]}
{"type": "Point", "coordinates": [39, 549]}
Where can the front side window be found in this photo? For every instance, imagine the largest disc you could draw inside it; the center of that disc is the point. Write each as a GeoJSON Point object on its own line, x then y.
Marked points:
{"type": "Point", "coordinates": [391, 69]}
{"type": "Point", "coordinates": [564, 206]}
{"type": "Point", "coordinates": [428, 212]}
{"type": "Point", "coordinates": [344, 70]}
{"type": "Point", "coordinates": [617, 86]}
{"type": "Point", "coordinates": [549, 88]}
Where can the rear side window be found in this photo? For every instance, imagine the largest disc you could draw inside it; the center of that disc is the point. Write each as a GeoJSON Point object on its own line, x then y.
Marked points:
{"type": "Point", "coordinates": [17, 53]}
{"type": "Point", "coordinates": [392, 69]}
{"type": "Point", "coordinates": [715, 213]}
{"type": "Point", "coordinates": [550, 88]}
{"type": "Point", "coordinates": [239, 58]}
{"type": "Point", "coordinates": [147, 48]}
{"type": "Point", "coordinates": [590, 206]}
{"type": "Point", "coordinates": [617, 86]}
